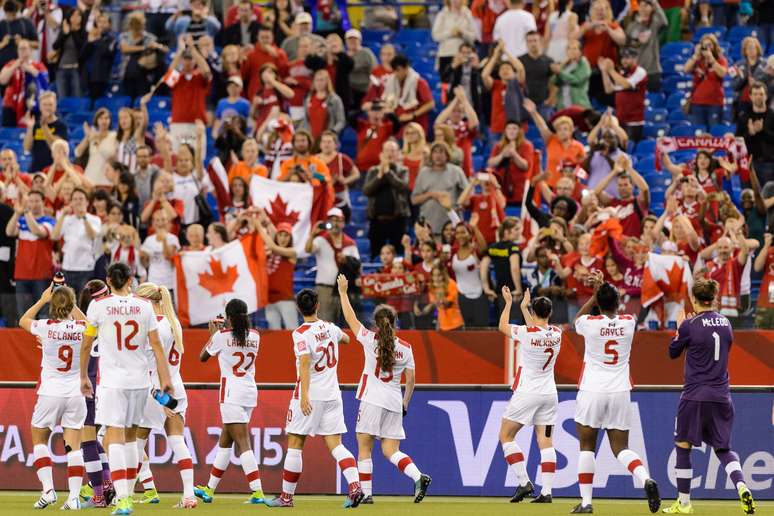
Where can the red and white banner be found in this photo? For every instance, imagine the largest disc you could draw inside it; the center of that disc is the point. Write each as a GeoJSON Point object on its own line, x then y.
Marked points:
{"type": "Point", "coordinates": [735, 148]}
{"type": "Point", "coordinates": [207, 280]}
{"type": "Point", "coordinates": [387, 285]}
{"type": "Point", "coordinates": [665, 276]}
{"type": "Point", "coordinates": [285, 202]}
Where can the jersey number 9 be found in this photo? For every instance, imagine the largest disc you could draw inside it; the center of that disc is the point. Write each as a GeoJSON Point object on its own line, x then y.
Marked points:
{"type": "Point", "coordinates": [65, 354]}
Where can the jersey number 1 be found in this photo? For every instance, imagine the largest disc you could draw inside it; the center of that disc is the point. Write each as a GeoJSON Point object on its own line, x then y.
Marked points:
{"type": "Point", "coordinates": [716, 338]}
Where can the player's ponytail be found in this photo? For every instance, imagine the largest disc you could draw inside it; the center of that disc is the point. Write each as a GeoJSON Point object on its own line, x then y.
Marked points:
{"type": "Point", "coordinates": [94, 289]}
{"type": "Point", "coordinates": [160, 296]}
{"type": "Point", "coordinates": [542, 307]}
{"type": "Point", "coordinates": [118, 274]}
{"type": "Point", "coordinates": [62, 302]}
{"type": "Point", "coordinates": [384, 317]}
{"type": "Point", "coordinates": [236, 313]}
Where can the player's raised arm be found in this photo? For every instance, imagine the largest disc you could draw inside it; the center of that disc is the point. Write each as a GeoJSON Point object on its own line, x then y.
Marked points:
{"type": "Point", "coordinates": [525, 311]}
{"type": "Point", "coordinates": [29, 316]}
{"type": "Point", "coordinates": [596, 279]}
{"type": "Point", "coordinates": [346, 307]}
{"type": "Point", "coordinates": [505, 316]}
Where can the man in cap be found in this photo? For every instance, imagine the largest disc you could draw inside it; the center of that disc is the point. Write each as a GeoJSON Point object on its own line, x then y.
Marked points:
{"type": "Point", "coordinates": [629, 85]}
{"type": "Point", "coordinates": [302, 26]}
{"type": "Point", "coordinates": [364, 61]}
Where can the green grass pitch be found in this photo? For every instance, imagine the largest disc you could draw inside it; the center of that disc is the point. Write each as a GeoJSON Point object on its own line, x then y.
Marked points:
{"type": "Point", "coordinates": [18, 503]}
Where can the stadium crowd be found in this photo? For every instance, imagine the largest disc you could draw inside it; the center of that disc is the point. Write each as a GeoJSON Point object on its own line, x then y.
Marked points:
{"type": "Point", "coordinates": [516, 148]}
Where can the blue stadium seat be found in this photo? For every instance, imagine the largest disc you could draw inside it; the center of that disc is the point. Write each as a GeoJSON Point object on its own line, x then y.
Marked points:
{"type": "Point", "coordinates": [73, 104]}
{"type": "Point", "coordinates": [113, 103]}
{"type": "Point", "coordinates": [79, 118]}
{"type": "Point", "coordinates": [363, 246]}
{"type": "Point", "coordinates": [646, 164]}
{"type": "Point", "coordinates": [739, 32]}
{"type": "Point", "coordinates": [655, 100]}
{"type": "Point", "coordinates": [675, 101]}
{"type": "Point", "coordinates": [656, 114]}
{"type": "Point", "coordinates": [721, 129]}
{"type": "Point", "coordinates": [513, 211]}
{"type": "Point", "coordinates": [645, 148]}
{"type": "Point", "coordinates": [677, 48]}
{"type": "Point", "coordinates": [677, 115]}
{"type": "Point", "coordinates": [11, 134]}
{"type": "Point", "coordinates": [688, 130]}
{"type": "Point", "coordinates": [655, 130]}
{"type": "Point", "coordinates": [375, 36]}
{"type": "Point", "coordinates": [412, 35]}
{"type": "Point", "coordinates": [719, 32]}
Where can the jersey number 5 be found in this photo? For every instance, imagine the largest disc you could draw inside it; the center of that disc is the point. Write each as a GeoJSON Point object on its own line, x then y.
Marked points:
{"type": "Point", "coordinates": [613, 353]}
{"type": "Point", "coordinates": [127, 342]}
{"type": "Point", "coordinates": [238, 370]}
{"type": "Point", "coordinates": [328, 358]}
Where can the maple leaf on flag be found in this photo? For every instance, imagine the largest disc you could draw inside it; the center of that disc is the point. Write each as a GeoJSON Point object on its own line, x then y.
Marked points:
{"type": "Point", "coordinates": [218, 281]}
{"type": "Point", "coordinates": [279, 212]}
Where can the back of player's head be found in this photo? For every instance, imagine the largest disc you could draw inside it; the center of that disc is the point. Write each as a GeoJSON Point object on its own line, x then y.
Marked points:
{"type": "Point", "coordinates": [607, 298]}
{"type": "Point", "coordinates": [160, 295]}
{"type": "Point", "coordinates": [62, 302]}
{"type": "Point", "coordinates": [705, 291]}
{"type": "Point", "coordinates": [118, 275]}
{"type": "Point", "coordinates": [542, 307]}
{"type": "Point", "coordinates": [306, 301]}
{"type": "Point", "coordinates": [94, 289]}
{"type": "Point", "coordinates": [236, 314]}
{"type": "Point", "coordinates": [384, 317]}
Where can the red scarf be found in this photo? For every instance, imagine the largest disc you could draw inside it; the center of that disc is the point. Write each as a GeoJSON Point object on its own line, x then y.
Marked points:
{"type": "Point", "coordinates": [728, 276]}
{"type": "Point", "coordinates": [338, 249]}
{"type": "Point", "coordinates": [129, 258]}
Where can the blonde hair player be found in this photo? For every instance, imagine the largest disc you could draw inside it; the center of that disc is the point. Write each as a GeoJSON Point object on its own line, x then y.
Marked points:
{"type": "Point", "coordinates": [382, 406]}
{"type": "Point", "coordinates": [60, 401]}
{"type": "Point", "coordinates": [158, 417]}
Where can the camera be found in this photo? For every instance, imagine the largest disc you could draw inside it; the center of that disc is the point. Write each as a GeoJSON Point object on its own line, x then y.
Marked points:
{"type": "Point", "coordinates": [328, 226]}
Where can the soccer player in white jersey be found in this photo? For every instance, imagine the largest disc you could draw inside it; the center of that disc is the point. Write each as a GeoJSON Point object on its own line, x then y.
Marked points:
{"type": "Point", "coordinates": [382, 405]}
{"type": "Point", "coordinates": [534, 400]}
{"type": "Point", "coordinates": [157, 417]}
{"type": "Point", "coordinates": [60, 401]}
{"type": "Point", "coordinates": [604, 395]}
{"type": "Point", "coordinates": [316, 407]}
{"type": "Point", "coordinates": [236, 347]}
{"type": "Point", "coordinates": [125, 326]}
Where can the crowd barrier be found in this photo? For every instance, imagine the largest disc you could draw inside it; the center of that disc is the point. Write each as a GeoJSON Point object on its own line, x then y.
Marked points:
{"type": "Point", "coordinates": [452, 435]}
{"type": "Point", "coordinates": [465, 357]}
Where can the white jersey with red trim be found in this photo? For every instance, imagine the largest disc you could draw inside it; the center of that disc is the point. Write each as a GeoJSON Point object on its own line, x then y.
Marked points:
{"type": "Point", "coordinates": [319, 340]}
{"type": "Point", "coordinates": [536, 352]}
{"type": "Point", "coordinates": [61, 355]}
{"type": "Point", "coordinates": [608, 342]}
{"type": "Point", "coordinates": [123, 324]}
{"type": "Point", "coordinates": [172, 355]}
{"type": "Point", "coordinates": [237, 367]}
{"type": "Point", "coordinates": [376, 386]}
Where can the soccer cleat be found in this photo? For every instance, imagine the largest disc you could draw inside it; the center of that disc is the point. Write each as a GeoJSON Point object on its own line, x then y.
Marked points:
{"type": "Point", "coordinates": [355, 496]}
{"type": "Point", "coordinates": [124, 507]}
{"type": "Point", "coordinates": [420, 488]}
{"type": "Point", "coordinates": [95, 502]}
{"type": "Point", "coordinates": [654, 499]}
{"type": "Point", "coordinates": [74, 504]}
{"type": "Point", "coordinates": [582, 509]}
{"type": "Point", "coordinates": [368, 500]}
{"type": "Point", "coordinates": [86, 492]}
{"type": "Point", "coordinates": [150, 496]}
{"type": "Point", "coordinates": [45, 499]}
{"type": "Point", "coordinates": [109, 492]}
{"type": "Point", "coordinates": [522, 492]}
{"type": "Point", "coordinates": [186, 503]}
{"type": "Point", "coordinates": [205, 493]}
{"type": "Point", "coordinates": [745, 496]}
{"type": "Point", "coordinates": [256, 498]}
{"type": "Point", "coordinates": [280, 501]}
{"type": "Point", "coordinates": [678, 508]}
{"type": "Point", "coordinates": [541, 498]}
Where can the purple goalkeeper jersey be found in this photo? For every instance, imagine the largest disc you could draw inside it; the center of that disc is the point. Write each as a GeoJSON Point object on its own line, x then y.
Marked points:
{"type": "Point", "coordinates": [706, 339]}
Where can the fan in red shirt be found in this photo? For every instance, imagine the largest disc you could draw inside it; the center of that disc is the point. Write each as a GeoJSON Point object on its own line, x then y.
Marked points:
{"type": "Point", "coordinates": [726, 268]}
{"type": "Point", "coordinates": [488, 204]}
{"type": "Point", "coordinates": [512, 159]}
{"type": "Point", "coordinates": [161, 199]}
{"type": "Point", "coordinates": [272, 93]}
{"type": "Point", "coordinates": [765, 262]}
{"type": "Point", "coordinates": [63, 169]}
{"type": "Point", "coordinates": [462, 117]}
{"type": "Point", "coordinates": [577, 266]}
{"type": "Point", "coordinates": [630, 209]}
{"type": "Point", "coordinates": [371, 135]}
{"type": "Point", "coordinates": [299, 78]}
{"type": "Point", "coordinates": [379, 75]}
{"type": "Point", "coordinates": [264, 52]}
{"type": "Point", "coordinates": [343, 171]}
{"type": "Point", "coordinates": [409, 93]}
{"type": "Point", "coordinates": [708, 67]}
{"type": "Point", "coordinates": [507, 71]}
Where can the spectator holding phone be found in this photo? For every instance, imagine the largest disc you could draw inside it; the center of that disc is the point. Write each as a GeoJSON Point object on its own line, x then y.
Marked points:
{"type": "Point", "coordinates": [709, 68]}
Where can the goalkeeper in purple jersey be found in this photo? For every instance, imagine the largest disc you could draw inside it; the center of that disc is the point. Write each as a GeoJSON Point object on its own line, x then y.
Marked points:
{"type": "Point", "coordinates": [705, 412]}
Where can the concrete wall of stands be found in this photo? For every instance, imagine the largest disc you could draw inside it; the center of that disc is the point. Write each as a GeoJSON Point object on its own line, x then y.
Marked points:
{"type": "Point", "coordinates": [458, 358]}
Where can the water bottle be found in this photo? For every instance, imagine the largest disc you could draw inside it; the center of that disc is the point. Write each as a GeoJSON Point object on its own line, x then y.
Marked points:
{"type": "Point", "coordinates": [164, 399]}
{"type": "Point", "coordinates": [59, 280]}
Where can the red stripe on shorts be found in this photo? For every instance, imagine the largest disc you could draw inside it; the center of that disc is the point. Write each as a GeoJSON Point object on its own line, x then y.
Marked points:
{"type": "Point", "coordinates": [184, 464]}
{"type": "Point", "coordinates": [585, 478]}
{"type": "Point", "coordinates": [513, 458]}
{"type": "Point", "coordinates": [347, 463]}
{"type": "Point", "coordinates": [634, 465]}
{"type": "Point", "coordinates": [404, 462]}
{"type": "Point", "coordinates": [548, 467]}
{"type": "Point", "coordinates": [290, 476]}
{"type": "Point", "coordinates": [43, 462]}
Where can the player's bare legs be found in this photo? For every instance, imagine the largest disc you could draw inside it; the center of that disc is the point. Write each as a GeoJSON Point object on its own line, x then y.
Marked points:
{"type": "Point", "coordinates": [365, 466]}
{"type": "Point", "coordinates": [75, 469]}
{"type": "Point", "coordinates": [619, 444]}
{"type": "Point", "coordinates": [515, 458]}
{"type": "Point", "coordinates": [547, 462]}
{"type": "Point", "coordinates": [586, 465]}
{"type": "Point", "coordinates": [348, 467]}
{"type": "Point", "coordinates": [144, 474]}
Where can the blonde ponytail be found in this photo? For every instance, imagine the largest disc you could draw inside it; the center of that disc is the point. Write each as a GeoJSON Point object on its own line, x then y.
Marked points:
{"type": "Point", "coordinates": [160, 296]}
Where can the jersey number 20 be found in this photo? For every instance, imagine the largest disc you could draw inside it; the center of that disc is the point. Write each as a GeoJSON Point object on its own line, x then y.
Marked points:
{"type": "Point", "coordinates": [328, 358]}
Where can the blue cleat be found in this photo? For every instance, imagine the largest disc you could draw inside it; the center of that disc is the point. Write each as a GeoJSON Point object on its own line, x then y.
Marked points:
{"type": "Point", "coordinates": [205, 493]}
{"type": "Point", "coordinates": [256, 498]}
{"type": "Point", "coordinates": [280, 501]}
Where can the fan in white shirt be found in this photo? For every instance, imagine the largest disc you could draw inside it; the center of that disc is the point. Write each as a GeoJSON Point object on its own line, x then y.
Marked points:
{"type": "Point", "coordinates": [534, 401]}
{"type": "Point", "coordinates": [382, 406]}
{"type": "Point", "coordinates": [158, 250]}
{"type": "Point", "coordinates": [60, 401]}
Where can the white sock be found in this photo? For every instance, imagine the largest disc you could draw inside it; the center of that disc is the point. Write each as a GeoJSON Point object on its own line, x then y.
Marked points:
{"type": "Point", "coordinates": [515, 459]}
{"type": "Point", "coordinates": [219, 466]}
{"type": "Point", "coordinates": [586, 464]}
{"type": "Point", "coordinates": [43, 466]}
{"type": "Point", "coordinates": [404, 463]}
{"type": "Point", "coordinates": [117, 463]}
{"type": "Point", "coordinates": [252, 473]}
{"type": "Point", "coordinates": [632, 462]}
{"type": "Point", "coordinates": [182, 457]}
{"type": "Point", "coordinates": [132, 458]}
{"type": "Point", "coordinates": [547, 469]}
{"type": "Point", "coordinates": [347, 464]}
{"type": "Point", "coordinates": [75, 473]}
{"type": "Point", "coordinates": [365, 469]}
{"type": "Point", "coordinates": [144, 474]}
{"type": "Point", "coordinates": [291, 472]}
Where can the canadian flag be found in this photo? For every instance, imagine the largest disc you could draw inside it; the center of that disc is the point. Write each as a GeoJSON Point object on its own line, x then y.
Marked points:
{"type": "Point", "coordinates": [665, 276]}
{"type": "Point", "coordinates": [171, 77]}
{"type": "Point", "coordinates": [285, 202]}
{"type": "Point", "coordinates": [207, 280]}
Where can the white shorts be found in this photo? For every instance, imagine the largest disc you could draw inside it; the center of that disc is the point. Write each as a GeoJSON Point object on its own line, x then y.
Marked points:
{"type": "Point", "coordinates": [120, 408]}
{"type": "Point", "coordinates": [51, 411]}
{"type": "Point", "coordinates": [327, 418]}
{"type": "Point", "coordinates": [608, 410]}
{"type": "Point", "coordinates": [231, 413]}
{"type": "Point", "coordinates": [154, 416]}
{"type": "Point", "coordinates": [532, 409]}
{"type": "Point", "coordinates": [379, 422]}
